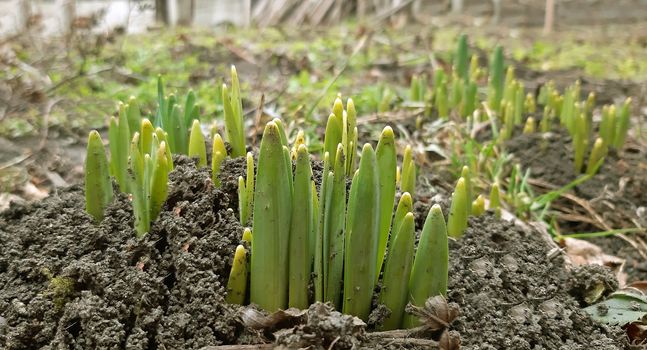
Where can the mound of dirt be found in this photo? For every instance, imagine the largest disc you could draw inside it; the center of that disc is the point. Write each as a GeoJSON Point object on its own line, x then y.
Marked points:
{"type": "Point", "coordinates": [617, 190]}
{"type": "Point", "coordinates": [616, 193]}
{"type": "Point", "coordinates": [66, 282]}
{"type": "Point", "coordinates": [513, 293]}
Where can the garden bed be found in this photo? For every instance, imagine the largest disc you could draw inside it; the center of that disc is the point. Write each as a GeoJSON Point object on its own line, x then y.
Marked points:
{"type": "Point", "coordinates": [68, 283]}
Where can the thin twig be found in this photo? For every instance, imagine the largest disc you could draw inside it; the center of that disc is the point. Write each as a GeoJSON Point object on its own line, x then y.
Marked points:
{"type": "Point", "coordinates": [16, 160]}
{"type": "Point", "coordinates": [257, 120]}
{"type": "Point", "coordinates": [75, 77]}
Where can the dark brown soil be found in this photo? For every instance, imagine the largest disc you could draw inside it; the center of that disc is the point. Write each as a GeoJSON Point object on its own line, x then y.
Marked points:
{"type": "Point", "coordinates": [68, 283]}
{"type": "Point", "coordinates": [616, 193]}
{"type": "Point", "coordinates": [164, 291]}
{"type": "Point", "coordinates": [513, 295]}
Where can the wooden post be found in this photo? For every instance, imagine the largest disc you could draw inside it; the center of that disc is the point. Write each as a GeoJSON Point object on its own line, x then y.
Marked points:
{"type": "Point", "coordinates": [161, 11]}
{"type": "Point", "coordinates": [185, 11]}
{"type": "Point", "coordinates": [24, 13]}
{"type": "Point", "coordinates": [247, 12]}
{"type": "Point", "coordinates": [549, 18]}
{"type": "Point", "coordinates": [68, 13]}
{"type": "Point", "coordinates": [361, 9]}
{"type": "Point", "coordinates": [496, 17]}
{"type": "Point", "coordinates": [457, 6]}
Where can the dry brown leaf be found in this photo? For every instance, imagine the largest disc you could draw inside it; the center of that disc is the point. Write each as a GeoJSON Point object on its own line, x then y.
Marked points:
{"type": "Point", "coordinates": [449, 340]}
{"type": "Point", "coordinates": [256, 319]}
{"type": "Point", "coordinates": [581, 252]}
{"type": "Point", "coordinates": [437, 313]}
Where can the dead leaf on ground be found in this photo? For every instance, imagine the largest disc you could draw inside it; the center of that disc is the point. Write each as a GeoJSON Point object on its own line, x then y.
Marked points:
{"type": "Point", "coordinates": [450, 340]}
{"type": "Point", "coordinates": [581, 252]}
{"type": "Point", "coordinates": [437, 313]}
{"type": "Point", "coordinates": [256, 319]}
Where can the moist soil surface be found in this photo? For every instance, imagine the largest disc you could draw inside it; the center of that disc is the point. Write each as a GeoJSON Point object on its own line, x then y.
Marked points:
{"type": "Point", "coordinates": [616, 194]}
{"type": "Point", "coordinates": [68, 283]}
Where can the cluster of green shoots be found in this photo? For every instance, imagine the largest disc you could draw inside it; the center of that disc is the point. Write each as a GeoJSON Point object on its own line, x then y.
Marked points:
{"type": "Point", "coordinates": [508, 107]}
{"type": "Point", "coordinates": [454, 94]}
{"type": "Point", "coordinates": [337, 240]}
{"type": "Point", "coordinates": [301, 233]}
{"type": "Point", "coordinates": [141, 151]}
{"type": "Point", "coordinates": [577, 117]}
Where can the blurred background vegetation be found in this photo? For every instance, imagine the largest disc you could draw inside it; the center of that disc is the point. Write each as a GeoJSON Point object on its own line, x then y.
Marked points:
{"type": "Point", "coordinates": [65, 64]}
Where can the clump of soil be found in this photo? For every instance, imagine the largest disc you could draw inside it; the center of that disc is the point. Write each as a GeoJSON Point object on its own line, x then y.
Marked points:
{"type": "Point", "coordinates": [66, 282]}
{"type": "Point", "coordinates": [615, 193]}
{"type": "Point", "coordinates": [617, 190]}
{"type": "Point", "coordinates": [325, 328]}
{"type": "Point", "coordinates": [513, 295]}
{"type": "Point", "coordinates": [549, 156]}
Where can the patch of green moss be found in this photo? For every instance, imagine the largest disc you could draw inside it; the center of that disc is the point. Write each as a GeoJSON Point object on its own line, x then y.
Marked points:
{"type": "Point", "coordinates": [60, 288]}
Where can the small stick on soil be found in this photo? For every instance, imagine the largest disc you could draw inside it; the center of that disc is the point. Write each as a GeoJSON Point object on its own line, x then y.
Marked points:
{"type": "Point", "coordinates": [404, 336]}
{"type": "Point", "coordinates": [257, 120]}
{"type": "Point", "coordinates": [239, 347]}
{"type": "Point", "coordinates": [599, 221]}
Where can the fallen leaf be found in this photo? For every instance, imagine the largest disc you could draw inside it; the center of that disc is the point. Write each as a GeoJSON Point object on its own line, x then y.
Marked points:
{"type": "Point", "coordinates": [581, 252]}
{"type": "Point", "coordinates": [449, 340]}
{"type": "Point", "coordinates": [436, 314]}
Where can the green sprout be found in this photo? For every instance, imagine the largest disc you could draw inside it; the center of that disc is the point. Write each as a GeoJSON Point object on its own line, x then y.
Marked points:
{"type": "Point", "coordinates": [119, 137]}
{"type": "Point", "coordinates": [429, 272]}
{"type": "Point", "coordinates": [333, 226]}
{"type": "Point", "coordinates": [478, 206]}
{"type": "Point", "coordinates": [197, 147]}
{"type": "Point", "coordinates": [496, 82]}
{"type": "Point", "coordinates": [362, 232]}
{"type": "Point", "coordinates": [395, 286]}
{"type": "Point", "coordinates": [237, 283]}
{"type": "Point", "coordinates": [462, 55]}
{"type": "Point", "coordinates": [233, 110]}
{"type": "Point", "coordinates": [271, 225]}
{"type": "Point", "coordinates": [580, 141]}
{"type": "Point", "coordinates": [457, 222]}
{"type": "Point", "coordinates": [596, 157]}
{"type": "Point", "coordinates": [608, 125]}
{"type": "Point", "coordinates": [98, 188]}
{"type": "Point", "coordinates": [441, 100]}
{"type": "Point", "coordinates": [622, 127]}
{"type": "Point", "coordinates": [530, 104]}
{"type": "Point", "coordinates": [247, 235]}
{"type": "Point", "coordinates": [408, 177]}
{"type": "Point", "coordinates": [246, 191]}
{"type": "Point", "coordinates": [495, 200]}
{"type": "Point", "coordinates": [386, 162]}
{"type": "Point", "coordinates": [529, 127]}
{"type": "Point", "coordinates": [302, 211]}
{"type": "Point", "coordinates": [218, 155]}
{"type": "Point", "coordinates": [148, 178]}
